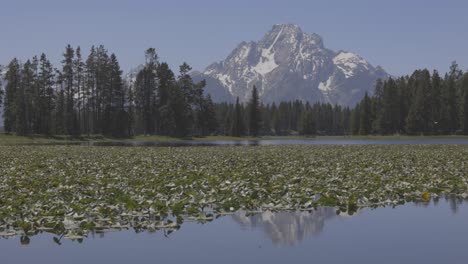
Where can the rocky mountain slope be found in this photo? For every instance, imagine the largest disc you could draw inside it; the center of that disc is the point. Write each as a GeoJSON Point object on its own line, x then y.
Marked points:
{"type": "Point", "coordinates": [288, 64]}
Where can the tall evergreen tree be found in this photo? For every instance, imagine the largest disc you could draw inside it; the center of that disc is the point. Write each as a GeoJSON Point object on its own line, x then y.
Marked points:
{"type": "Point", "coordinates": [435, 101]}
{"type": "Point", "coordinates": [449, 108]}
{"type": "Point", "coordinates": [209, 123]}
{"type": "Point", "coordinates": [237, 122]}
{"type": "Point", "coordinates": [389, 116]}
{"type": "Point", "coordinates": [254, 113]}
{"type": "Point", "coordinates": [88, 94]}
{"type": "Point", "coordinates": [24, 99]}
{"type": "Point", "coordinates": [34, 119]}
{"type": "Point", "coordinates": [116, 109]}
{"type": "Point", "coordinates": [365, 126]}
{"type": "Point", "coordinates": [13, 83]}
{"type": "Point", "coordinates": [60, 115]}
{"type": "Point", "coordinates": [418, 120]}
{"type": "Point", "coordinates": [356, 120]}
{"type": "Point", "coordinates": [130, 111]}
{"type": "Point", "coordinates": [79, 71]}
{"type": "Point", "coordinates": [185, 99]}
{"type": "Point", "coordinates": [377, 106]}
{"type": "Point", "coordinates": [166, 115]}
{"type": "Point", "coordinates": [464, 104]}
{"type": "Point", "coordinates": [103, 91]}
{"type": "Point", "coordinates": [1, 93]}
{"type": "Point", "coordinates": [180, 109]}
{"type": "Point", "coordinates": [146, 86]}
{"type": "Point", "coordinates": [307, 124]}
{"type": "Point", "coordinates": [46, 95]}
{"type": "Point", "coordinates": [69, 91]}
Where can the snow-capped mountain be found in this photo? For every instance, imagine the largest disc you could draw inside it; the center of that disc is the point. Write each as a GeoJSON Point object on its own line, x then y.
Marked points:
{"type": "Point", "coordinates": [288, 64]}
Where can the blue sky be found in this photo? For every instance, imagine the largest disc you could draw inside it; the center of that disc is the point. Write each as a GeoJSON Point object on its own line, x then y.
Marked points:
{"type": "Point", "coordinates": [398, 35]}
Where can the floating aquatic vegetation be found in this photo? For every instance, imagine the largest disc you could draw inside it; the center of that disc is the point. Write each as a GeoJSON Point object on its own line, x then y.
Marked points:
{"type": "Point", "coordinates": [71, 191]}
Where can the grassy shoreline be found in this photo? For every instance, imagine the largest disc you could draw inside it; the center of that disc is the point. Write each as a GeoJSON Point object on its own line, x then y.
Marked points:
{"type": "Point", "coordinates": [11, 139]}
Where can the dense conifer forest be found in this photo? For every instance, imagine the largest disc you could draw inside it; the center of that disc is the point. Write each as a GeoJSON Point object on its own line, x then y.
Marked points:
{"type": "Point", "coordinates": [91, 96]}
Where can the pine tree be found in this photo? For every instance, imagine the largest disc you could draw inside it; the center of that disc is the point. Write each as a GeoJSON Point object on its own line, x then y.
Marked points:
{"type": "Point", "coordinates": [60, 124]}
{"type": "Point", "coordinates": [89, 100]}
{"type": "Point", "coordinates": [69, 91]}
{"type": "Point", "coordinates": [186, 99]}
{"type": "Point", "coordinates": [130, 112]}
{"type": "Point", "coordinates": [23, 101]}
{"type": "Point", "coordinates": [193, 93]}
{"type": "Point", "coordinates": [46, 95]}
{"type": "Point", "coordinates": [266, 128]}
{"type": "Point", "coordinates": [237, 125]}
{"type": "Point", "coordinates": [108, 86]}
{"type": "Point", "coordinates": [228, 117]}
{"type": "Point", "coordinates": [435, 104]}
{"type": "Point", "coordinates": [13, 83]}
{"type": "Point", "coordinates": [34, 118]}
{"type": "Point", "coordinates": [449, 107]}
{"type": "Point", "coordinates": [464, 104]}
{"type": "Point", "coordinates": [146, 87]}
{"type": "Point", "coordinates": [210, 123]}
{"type": "Point", "coordinates": [346, 121]}
{"type": "Point", "coordinates": [307, 123]}
{"type": "Point", "coordinates": [419, 116]}
{"type": "Point", "coordinates": [166, 115]}
{"type": "Point", "coordinates": [365, 125]}
{"type": "Point", "coordinates": [103, 92]}
{"type": "Point", "coordinates": [186, 83]}
{"type": "Point", "coordinates": [377, 106]}
{"type": "Point", "coordinates": [79, 70]}
{"type": "Point", "coordinates": [276, 120]}
{"type": "Point", "coordinates": [1, 92]}
{"type": "Point", "coordinates": [389, 114]}
{"type": "Point", "coordinates": [254, 113]}
{"type": "Point", "coordinates": [282, 119]}
{"type": "Point", "coordinates": [118, 116]}
{"type": "Point", "coordinates": [180, 108]}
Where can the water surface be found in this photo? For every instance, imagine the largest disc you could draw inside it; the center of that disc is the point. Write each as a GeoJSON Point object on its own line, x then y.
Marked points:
{"type": "Point", "coordinates": [435, 232]}
{"type": "Point", "coordinates": [423, 141]}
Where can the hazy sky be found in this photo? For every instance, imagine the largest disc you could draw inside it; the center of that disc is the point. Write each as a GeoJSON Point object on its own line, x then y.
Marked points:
{"type": "Point", "coordinates": [399, 35]}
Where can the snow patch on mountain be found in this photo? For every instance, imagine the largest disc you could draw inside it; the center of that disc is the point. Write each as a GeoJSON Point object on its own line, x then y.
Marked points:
{"type": "Point", "coordinates": [349, 62]}
{"type": "Point", "coordinates": [267, 60]}
{"type": "Point", "coordinates": [225, 80]}
{"type": "Point", "coordinates": [243, 53]}
{"type": "Point", "coordinates": [326, 86]}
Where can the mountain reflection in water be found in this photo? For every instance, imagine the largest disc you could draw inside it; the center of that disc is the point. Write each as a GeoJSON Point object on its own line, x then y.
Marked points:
{"type": "Point", "coordinates": [287, 228]}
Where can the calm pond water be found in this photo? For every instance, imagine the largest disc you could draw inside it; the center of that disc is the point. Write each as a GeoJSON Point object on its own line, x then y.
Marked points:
{"type": "Point", "coordinates": [279, 142]}
{"type": "Point", "coordinates": [436, 232]}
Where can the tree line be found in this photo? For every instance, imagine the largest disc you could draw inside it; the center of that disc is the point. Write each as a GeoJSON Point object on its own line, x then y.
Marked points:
{"type": "Point", "coordinates": [91, 96]}
{"type": "Point", "coordinates": [419, 104]}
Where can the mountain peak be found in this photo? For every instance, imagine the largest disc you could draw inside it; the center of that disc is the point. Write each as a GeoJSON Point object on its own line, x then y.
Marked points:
{"type": "Point", "coordinates": [292, 34]}
{"type": "Point", "coordinates": [349, 63]}
{"type": "Point", "coordinates": [289, 64]}
{"type": "Point", "coordinates": [288, 27]}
